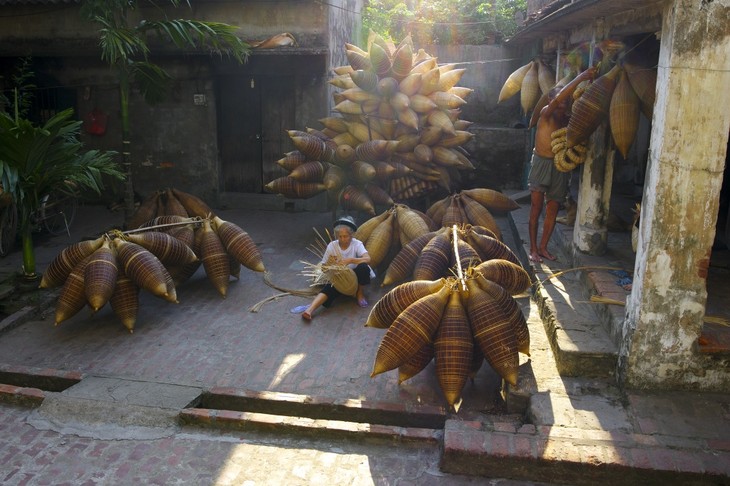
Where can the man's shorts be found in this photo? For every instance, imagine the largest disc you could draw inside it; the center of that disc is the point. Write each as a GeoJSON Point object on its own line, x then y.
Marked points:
{"type": "Point", "coordinates": [544, 177]}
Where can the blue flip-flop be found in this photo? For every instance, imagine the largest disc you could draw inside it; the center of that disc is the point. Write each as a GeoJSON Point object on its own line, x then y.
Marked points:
{"type": "Point", "coordinates": [298, 309]}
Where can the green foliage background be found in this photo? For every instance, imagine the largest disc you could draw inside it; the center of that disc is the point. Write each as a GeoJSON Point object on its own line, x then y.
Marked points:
{"type": "Point", "coordinates": [470, 22]}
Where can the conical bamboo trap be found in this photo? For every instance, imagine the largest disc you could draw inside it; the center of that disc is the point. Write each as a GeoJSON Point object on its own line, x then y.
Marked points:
{"type": "Point", "coordinates": [156, 256]}
{"type": "Point", "coordinates": [399, 135]}
{"type": "Point", "coordinates": [458, 321]}
{"type": "Point", "coordinates": [619, 95]}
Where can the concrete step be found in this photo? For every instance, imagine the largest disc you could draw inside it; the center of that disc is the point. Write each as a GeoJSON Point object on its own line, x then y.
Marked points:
{"type": "Point", "coordinates": [576, 327]}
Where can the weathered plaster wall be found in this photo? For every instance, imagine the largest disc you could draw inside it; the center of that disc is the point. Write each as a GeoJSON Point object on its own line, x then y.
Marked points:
{"type": "Point", "coordinates": [687, 156]}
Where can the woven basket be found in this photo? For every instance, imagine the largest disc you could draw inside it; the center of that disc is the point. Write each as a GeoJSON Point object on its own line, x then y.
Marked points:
{"type": "Point", "coordinates": [343, 278]}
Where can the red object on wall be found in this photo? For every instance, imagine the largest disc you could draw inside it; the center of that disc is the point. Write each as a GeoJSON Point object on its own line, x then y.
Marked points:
{"type": "Point", "coordinates": [95, 122]}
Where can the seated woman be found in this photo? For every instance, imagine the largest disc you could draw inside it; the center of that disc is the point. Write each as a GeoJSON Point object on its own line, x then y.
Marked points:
{"type": "Point", "coordinates": [345, 250]}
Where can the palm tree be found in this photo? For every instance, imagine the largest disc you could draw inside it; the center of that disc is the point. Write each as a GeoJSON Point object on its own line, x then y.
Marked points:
{"type": "Point", "coordinates": [125, 48]}
{"type": "Point", "coordinates": [35, 160]}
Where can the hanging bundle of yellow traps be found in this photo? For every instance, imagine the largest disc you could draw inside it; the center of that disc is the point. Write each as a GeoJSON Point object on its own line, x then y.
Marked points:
{"type": "Point", "coordinates": [566, 158]}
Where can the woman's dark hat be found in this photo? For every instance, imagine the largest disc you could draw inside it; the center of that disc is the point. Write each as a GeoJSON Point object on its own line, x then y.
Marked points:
{"type": "Point", "coordinates": [348, 221]}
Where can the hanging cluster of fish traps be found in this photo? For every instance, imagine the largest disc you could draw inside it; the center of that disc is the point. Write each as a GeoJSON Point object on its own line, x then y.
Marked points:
{"type": "Point", "coordinates": [386, 233]}
{"type": "Point", "coordinates": [157, 257]}
{"type": "Point", "coordinates": [443, 252]}
{"type": "Point", "coordinates": [533, 81]}
{"type": "Point", "coordinates": [621, 95]}
{"type": "Point", "coordinates": [457, 322]}
{"type": "Point", "coordinates": [472, 206]}
{"type": "Point", "coordinates": [399, 136]}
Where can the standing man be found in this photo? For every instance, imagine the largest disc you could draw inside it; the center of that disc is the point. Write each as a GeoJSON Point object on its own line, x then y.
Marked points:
{"type": "Point", "coordinates": [547, 184]}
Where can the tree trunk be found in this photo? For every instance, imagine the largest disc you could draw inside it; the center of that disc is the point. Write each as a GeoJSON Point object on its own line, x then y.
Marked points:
{"type": "Point", "coordinates": [126, 160]}
{"type": "Point", "coordinates": [28, 251]}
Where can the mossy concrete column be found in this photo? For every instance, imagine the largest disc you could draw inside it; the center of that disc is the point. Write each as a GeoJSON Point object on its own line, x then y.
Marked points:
{"type": "Point", "coordinates": [679, 209]}
{"type": "Point", "coordinates": [590, 235]}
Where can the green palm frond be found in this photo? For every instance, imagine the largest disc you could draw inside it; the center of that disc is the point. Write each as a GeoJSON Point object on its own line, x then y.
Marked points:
{"type": "Point", "coordinates": [36, 160]}
{"type": "Point", "coordinates": [153, 81]}
{"type": "Point", "coordinates": [217, 36]}
{"type": "Point", "coordinates": [118, 42]}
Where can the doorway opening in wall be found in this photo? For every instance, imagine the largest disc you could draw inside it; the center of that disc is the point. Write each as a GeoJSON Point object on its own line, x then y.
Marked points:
{"type": "Point", "coordinates": [254, 113]}
{"type": "Point", "coordinates": [715, 337]}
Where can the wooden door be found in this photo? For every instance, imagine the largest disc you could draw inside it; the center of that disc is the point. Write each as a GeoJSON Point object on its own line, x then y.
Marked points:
{"type": "Point", "coordinates": [278, 109]}
{"type": "Point", "coordinates": [253, 115]}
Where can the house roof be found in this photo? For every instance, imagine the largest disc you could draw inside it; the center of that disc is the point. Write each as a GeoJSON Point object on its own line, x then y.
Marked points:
{"type": "Point", "coordinates": [562, 15]}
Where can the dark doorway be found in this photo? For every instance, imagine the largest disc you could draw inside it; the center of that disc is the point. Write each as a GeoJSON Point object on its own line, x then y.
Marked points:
{"type": "Point", "coordinates": [254, 113]}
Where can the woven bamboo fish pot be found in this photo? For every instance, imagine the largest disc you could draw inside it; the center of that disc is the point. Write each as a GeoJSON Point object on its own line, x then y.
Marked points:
{"type": "Point", "coordinates": [100, 276]}
{"type": "Point", "coordinates": [393, 303]}
{"type": "Point", "coordinates": [591, 108]}
{"type": "Point", "coordinates": [387, 88]}
{"type": "Point", "coordinates": [61, 266]}
{"type": "Point", "coordinates": [545, 77]}
{"type": "Point", "coordinates": [72, 297]}
{"type": "Point", "coordinates": [358, 60]}
{"type": "Point", "coordinates": [312, 171]}
{"type": "Point", "coordinates": [493, 332]}
{"type": "Point", "coordinates": [478, 215]}
{"type": "Point", "coordinates": [510, 276]}
{"type": "Point", "coordinates": [365, 229]}
{"type": "Point", "coordinates": [402, 265]}
{"type": "Point", "coordinates": [416, 363]}
{"type": "Point", "coordinates": [410, 331]}
{"type": "Point", "coordinates": [168, 249]}
{"type": "Point", "coordinates": [449, 80]}
{"type": "Point", "coordinates": [480, 230]}
{"type": "Point", "coordinates": [193, 204]}
{"type": "Point", "coordinates": [511, 313]}
{"type": "Point", "coordinates": [147, 210]}
{"type": "Point", "coordinates": [430, 81]}
{"type": "Point", "coordinates": [379, 241]}
{"type": "Point", "coordinates": [172, 205]}
{"type": "Point", "coordinates": [215, 258]}
{"type": "Point", "coordinates": [378, 195]}
{"type": "Point", "coordinates": [454, 214]}
{"type": "Point", "coordinates": [379, 59]}
{"type": "Point", "coordinates": [312, 147]}
{"type": "Point", "coordinates": [291, 160]}
{"type": "Point", "coordinates": [142, 267]}
{"type": "Point", "coordinates": [352, 197]}
{"type": "Point", "coordinates": [494, 201]}
{"type": "Point", "coordinates": [624, 115]}
{"type": "Point", "coordinates": [344, 155]}
{"type": "Point", "coordinates": [239, 244]}
{"type": "Point", "coordinates": [467, 256]}
{"type": "Point", "coordinates": [643, 80]}
{"type": "Point", "coordinates": [365, 80]}
{"type": "Point", "coordinates": [124, 301]}
{"type": "Point", "coordinates": [411, 224]}
{"type": "Point", "coordinates": [488, 247]}
{"type": "Point", "coordinates": [342, 278]}
{"type": "Point", "coordinates": [334, 179]}
{"type": "Point", "coordinates": [513, 84]}
{"type": "Point", "coordinates": [294, 189]}
{"type": "Point", "coordinates": [433, 262]}
{"type": "Point", "coordinates": [453, 349]}
{"type": "Point", "coordinates": [362, 171]}
{"type": "Point", "coordinates": [402, 61]}
{"type": "Point", "coordinates": [530, 89]}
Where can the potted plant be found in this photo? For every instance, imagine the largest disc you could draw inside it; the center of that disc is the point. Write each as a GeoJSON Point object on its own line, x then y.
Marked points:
{"type": "Point", "coordinates": [34, 160]}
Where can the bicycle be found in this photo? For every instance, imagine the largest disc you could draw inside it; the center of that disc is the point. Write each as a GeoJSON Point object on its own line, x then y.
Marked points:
{"type": "Point", "coordinates": [55, 214]}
